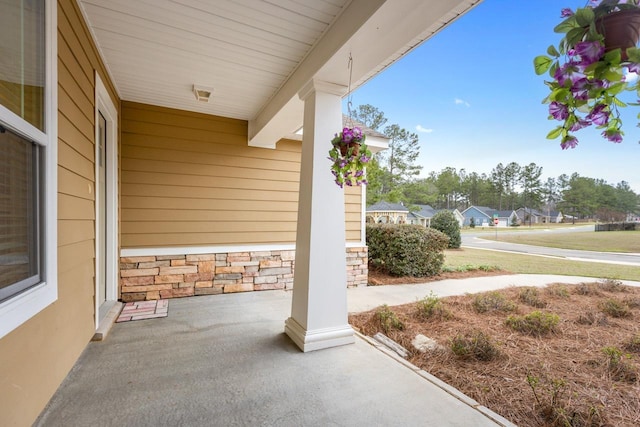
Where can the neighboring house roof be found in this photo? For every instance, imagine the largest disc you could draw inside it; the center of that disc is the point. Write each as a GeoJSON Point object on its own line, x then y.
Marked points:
{"type": "Point", "coordinates": [477, 209]}
{"type": "Point", "coordinates": [350, 122]}
{"type": "Point", "coordinates": [383, 206]}
{"type": "Point", "coordinates": [489, 212]}
{"type": "Point", "coordinates": [454, 211]}
{"type": "Point", "coordinates": [531, 211]}
{"type": "Point", "coordinates": [425, 211]}
{"type": "Point", "coordinates": [536, 212]}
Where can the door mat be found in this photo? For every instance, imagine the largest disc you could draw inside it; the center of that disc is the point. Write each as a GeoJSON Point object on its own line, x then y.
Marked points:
{"type": "Point", "coordinates": [142, 310]}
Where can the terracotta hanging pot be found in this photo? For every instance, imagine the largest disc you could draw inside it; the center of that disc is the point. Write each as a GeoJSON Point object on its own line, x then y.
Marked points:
{"type": "Point", "coordinates": [621, 30]}
{"type": "Point", "coordinates": [344, 148]}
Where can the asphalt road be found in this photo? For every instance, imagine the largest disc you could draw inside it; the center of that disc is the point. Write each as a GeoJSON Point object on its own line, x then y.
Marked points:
{"type": "Point", "coordinates": [475, 240]}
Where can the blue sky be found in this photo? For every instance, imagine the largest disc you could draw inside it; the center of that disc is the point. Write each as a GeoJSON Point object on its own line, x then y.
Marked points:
{"type": "Point", "coordinates": [472, 96]}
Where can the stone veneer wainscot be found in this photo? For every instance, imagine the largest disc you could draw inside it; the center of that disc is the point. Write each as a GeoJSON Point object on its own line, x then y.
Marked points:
{"type": "Point", "coordinates": [171, 276]}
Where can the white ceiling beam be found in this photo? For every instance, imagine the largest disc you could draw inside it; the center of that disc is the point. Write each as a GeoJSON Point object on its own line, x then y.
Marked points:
{"type": "Point", "coordinates": [283, 113]}
{"type": "Point", "coordinates": [376, 33]}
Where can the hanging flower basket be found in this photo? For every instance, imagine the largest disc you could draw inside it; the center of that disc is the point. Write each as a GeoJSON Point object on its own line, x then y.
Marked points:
{"type": "Point", "coordinates": [621, 30]}
{"type": "Point", "coordinates": [349, 156]}
{"type": "Point", "coordinates": [589, 68]}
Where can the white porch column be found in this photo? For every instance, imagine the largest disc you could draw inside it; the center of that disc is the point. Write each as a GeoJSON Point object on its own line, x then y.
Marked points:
{"type": "Point", "coordinates": [319, 308]}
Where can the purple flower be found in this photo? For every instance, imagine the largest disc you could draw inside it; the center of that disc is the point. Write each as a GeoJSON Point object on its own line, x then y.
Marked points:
{"type": "Point", "coordinates": [579, 125]}
{"type": "Point", "coordinates": [570, 71]}
{"type": "Point", "coordinates": [580, 89]}
{"type": "Point", "coordinates": [613, 135]}
{"type": "Point", "coordinates": [569, 142]}
{"type": "Point", "coordinates": [633, 68]}
{"type": "Point", "coordinates": [364, 159]}
{"type": "Point", "coordinates": [566, 12]}
{"type": "Point", "coordinates": [357, 133]}
{"type": "Point", "coordinates": [347, 135]}
{"type": "Point", "coordinates": [589, 52]}
{"type": "Point", "coordinates": [558, 111]}
{"type": "Point", "coordinates": [599, 115]}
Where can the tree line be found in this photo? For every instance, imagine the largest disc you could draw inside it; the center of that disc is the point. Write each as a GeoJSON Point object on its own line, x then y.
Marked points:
{"type": "Point", "coordinates": [393, 176]}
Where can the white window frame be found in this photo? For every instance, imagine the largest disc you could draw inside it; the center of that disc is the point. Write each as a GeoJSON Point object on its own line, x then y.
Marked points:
{"type": "Point", "coordinates": [18, 309]}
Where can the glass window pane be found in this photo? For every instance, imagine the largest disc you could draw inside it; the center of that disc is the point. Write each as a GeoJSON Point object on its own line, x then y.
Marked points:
{"type": "Point", "coordinates": [22, 59]}
{"type": "Point", "coordinates": [19, 218]}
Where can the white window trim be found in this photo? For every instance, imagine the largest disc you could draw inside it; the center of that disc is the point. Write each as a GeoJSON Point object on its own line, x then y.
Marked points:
{"type": "Point", "coordinates": [19, 309]}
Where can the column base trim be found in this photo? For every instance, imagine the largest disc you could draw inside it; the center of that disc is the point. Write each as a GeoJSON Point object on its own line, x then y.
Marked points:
{"type": "Point", "coordinates": [320, 338]}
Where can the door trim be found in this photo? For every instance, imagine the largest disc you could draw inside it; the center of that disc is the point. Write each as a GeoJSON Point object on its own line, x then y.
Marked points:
{"type": "Point", "coordinates": [105, 105]}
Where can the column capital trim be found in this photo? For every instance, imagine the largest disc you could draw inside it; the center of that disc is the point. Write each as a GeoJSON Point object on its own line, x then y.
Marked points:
{"type": "Point", "coordinates": [314, 85]}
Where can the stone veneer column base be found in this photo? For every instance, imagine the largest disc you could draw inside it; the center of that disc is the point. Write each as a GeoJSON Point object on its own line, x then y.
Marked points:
{"type": "Point", "coordinates": [171, 276]}
{"type": "Point", "coordinates": [318, 339]}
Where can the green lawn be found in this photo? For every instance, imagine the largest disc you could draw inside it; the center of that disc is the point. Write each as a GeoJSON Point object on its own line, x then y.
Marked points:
{"type": "Point", "coordinates": [604, 241]}
{"type": "Point", "coordinates": [552, 226]}
{"type": "Point", "coordinates": [518, 263]}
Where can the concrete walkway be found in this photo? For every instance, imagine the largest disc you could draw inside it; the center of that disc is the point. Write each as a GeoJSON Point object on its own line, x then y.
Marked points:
{"type": "Point", "coordinates": [367, 298]}
{"type": "Point", "coordinates": [224, 361]}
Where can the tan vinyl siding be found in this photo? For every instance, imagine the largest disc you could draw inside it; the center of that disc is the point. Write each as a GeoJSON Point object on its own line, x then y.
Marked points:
{"type": "Point", "coordinates": [38, 355]}
{"type": "Point", "coordinates": [353, 212]}
{"type": "Point", "coordinates": [189, 179]}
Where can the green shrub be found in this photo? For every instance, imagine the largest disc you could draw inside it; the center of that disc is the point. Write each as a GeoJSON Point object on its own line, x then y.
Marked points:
{"type": "Point", "coordinates": [632, 302]}
{"type": "Point", "coordinates": [611, 285]}
{"type": "Point", "coordinates": [615, 308]}
{"type": "Point", "coordinates": [388, 319]}
{"type": "Point", "coordinates": [591, 318]}
{"type": "Point", "coordinates": [406, 250]}
{"type": "Point", "coordinates": [587, 289]}
{"type": "Point", "coordinates": [469, 267]}
{"type": "Point", "coordinates": [476, 345]}
{"type": "Point", "coordinates": [618, 365]}
{"type": "Point", "coordinates": [432, 307]}
{"type": "Point", "coordinates": [447, 223]}
{"type": "Point", "coordinates": [531, 297]}
{"type": "Point", "coordinates": [633, 344]}
{"type": "Point", "coordinates": [492, 301]}
{"type": "Point", "coordinates": [557, 290]}
{"type": "Point", "coordinates": [534, 323]}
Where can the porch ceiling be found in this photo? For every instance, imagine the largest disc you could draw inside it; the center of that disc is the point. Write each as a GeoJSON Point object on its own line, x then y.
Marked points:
{"type": "Point", "coordinates": [255, 54]}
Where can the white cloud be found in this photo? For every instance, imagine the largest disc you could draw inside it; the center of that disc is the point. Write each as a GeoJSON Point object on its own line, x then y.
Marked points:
{"type": "Point", "coordinates": [421, 128]}
{"type": "Point", "coordinates": [459, 101]}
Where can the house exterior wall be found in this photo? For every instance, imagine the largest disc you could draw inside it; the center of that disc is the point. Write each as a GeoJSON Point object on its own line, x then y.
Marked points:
{"type": "Point", "coordinates": [189, 179]}
{"type": "Point", "coordinates": [35, 357]}
{"type": "Point", "coordinates": [478, 216]}
{"type": "Point", "coordinates": [202, 213]}
{"type": "Point", "coordinates": [153, 277]}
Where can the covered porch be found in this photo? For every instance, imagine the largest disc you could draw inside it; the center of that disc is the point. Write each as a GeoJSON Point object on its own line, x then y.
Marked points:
{"type": "Point", "coordinates": [174, 167]}
{"type": "Point", "coordinates": [224, 361]}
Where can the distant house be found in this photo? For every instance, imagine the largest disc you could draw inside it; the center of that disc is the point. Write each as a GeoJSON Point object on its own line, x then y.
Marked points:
{"type": "Point", "coordinates": [455, 213]}
{"type": "Point", "coordinates": [422, 216]}
{"type": "Point", "coordinates": [533, 216]}
{"type": "Point", "coordinates": [387, 213]}
{"type": "Point", "coordinates": [483, 216]}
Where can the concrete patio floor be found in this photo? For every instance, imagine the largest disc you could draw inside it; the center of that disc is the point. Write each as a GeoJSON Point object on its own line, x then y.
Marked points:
{"type": "Point", "coordinates": [224, 361]}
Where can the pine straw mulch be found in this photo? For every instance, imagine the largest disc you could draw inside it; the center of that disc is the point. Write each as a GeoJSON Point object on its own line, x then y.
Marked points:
{"type": "Point", "coordinates": [576, 383]}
